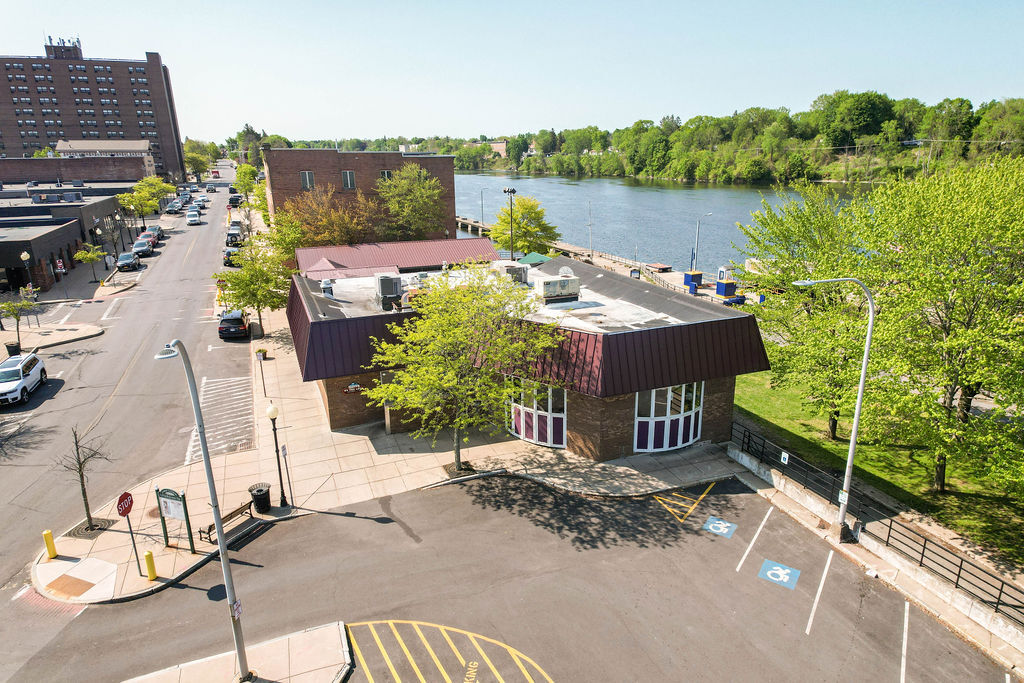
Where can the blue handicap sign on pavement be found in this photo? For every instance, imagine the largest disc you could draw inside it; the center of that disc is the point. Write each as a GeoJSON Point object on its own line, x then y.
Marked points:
{"type": "Point", "coordinates": [719, 526]}
{"type": "Point", "coordinates": [779, 573]}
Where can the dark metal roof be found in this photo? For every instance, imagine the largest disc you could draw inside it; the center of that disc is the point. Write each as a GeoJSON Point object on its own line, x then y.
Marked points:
{"type": "Point", "coordinates": [417, 255]}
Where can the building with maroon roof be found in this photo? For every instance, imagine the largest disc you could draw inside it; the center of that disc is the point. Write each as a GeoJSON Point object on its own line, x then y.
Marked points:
{"type": "Point", "coordinates": [640, 369]}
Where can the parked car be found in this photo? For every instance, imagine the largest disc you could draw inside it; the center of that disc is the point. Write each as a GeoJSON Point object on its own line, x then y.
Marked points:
{"type": "Point", "coordinates": [151, 237]}
{"type": "Point", "coordinates": [261, 176]}
{"type": "Point", "coordinates": [143, 248]}
{"type": "Point", "coordinates": [173, 207]}
{"type": "Point", "coordinates": [158, 229]}
{"type": "Point", "coordinates": [192, 218]}
{"type": "Point", "coordinates": [196, 205]}
{"type": "Point", "coordinates": [232, 190]}
{"type": "Point", "coordinates": [230, 254]}
{"type": "Point", "coordinates": [128, 261]}
{"type": "Point", "coordinates": [204, 199]}
{"type": "Point", "coordinates": [20, 376]}
{"type": "Point", "coordinates": [234, 200]}
{"type": "Point", "coordinates": [185, 199]}
{"type": "Point", "coordinates": [234, 238]}
{"type": "Point", "coordinates": [233, 324]}
{"type": "Point", "coordinates": [211, 188]}
{"type": "Point", "coordinates": [193, 188]}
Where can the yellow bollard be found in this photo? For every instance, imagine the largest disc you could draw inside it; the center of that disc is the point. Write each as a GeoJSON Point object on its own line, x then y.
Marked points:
{"type": "Point", "coordinates": [51, 548]}
{"type": "Point", "coordinates": [150, 565]}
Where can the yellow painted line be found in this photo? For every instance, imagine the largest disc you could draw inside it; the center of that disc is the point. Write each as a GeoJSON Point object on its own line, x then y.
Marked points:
{"type": "Point", "coordinates": [387, 660]}
{"type": "Point", "coordinates": [666, 504]}
{"type": "Point", "coordinates": [486, 659]}
{"type": "Point", "coordinates": [522, 668]}
{"type": "Point", "coordinates": [408, 655]}
{"type": "Point", "coordinates": [679, 495]}
{"type": "Point", "coordinates": [670, 504]}
{"type": "Point", "coordinates": [454, 649]}
{"type": "Point", "coordinates": [699, 500]}
{"type": "Point", "coordinates": [359, 656]}
{"type": "Point", "coordinates": [433, 656]}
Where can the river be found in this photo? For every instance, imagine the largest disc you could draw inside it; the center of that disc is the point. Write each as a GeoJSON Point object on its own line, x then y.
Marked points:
{"type": "Point", "coordinates": [655, 219]}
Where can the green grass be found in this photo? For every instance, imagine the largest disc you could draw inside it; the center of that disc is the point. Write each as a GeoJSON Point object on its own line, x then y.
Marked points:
{"type": "Point", "coordinates": [971, 506]}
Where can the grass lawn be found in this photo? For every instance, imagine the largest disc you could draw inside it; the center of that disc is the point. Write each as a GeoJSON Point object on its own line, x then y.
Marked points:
{"type": "Point", "coordinates": [971, 506]}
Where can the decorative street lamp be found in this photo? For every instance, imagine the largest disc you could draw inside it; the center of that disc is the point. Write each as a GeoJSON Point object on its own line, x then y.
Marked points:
{"type": "Point", "coordinates": [272, 413]}
{"type": "Point", "coordinates": [26, 257]}
{"type": "Point", "coordinates": [844, 495]}
{"type": "Point", "coordinates": [99, 236]}
{"type": "Point", "coordinates": [176, 348]}
{"type": "Point", "coordinates": [511, 192]}
{"type": "Point", "coordinates": [696, 244]}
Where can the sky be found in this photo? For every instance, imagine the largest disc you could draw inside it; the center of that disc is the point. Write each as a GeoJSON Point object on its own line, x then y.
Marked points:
{"type": "Point", "coordinates": [310, 69]}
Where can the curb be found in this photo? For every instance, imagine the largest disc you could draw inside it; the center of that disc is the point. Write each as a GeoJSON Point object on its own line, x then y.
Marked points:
{"type": "Point", "coordinates": [68, 341]}
{"type": "Point", "coordinates": [70, 301]}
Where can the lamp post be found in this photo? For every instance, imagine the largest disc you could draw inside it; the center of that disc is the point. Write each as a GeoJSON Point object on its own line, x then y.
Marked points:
{"type": "Point", "coordinates": [482, 205]}
{"type": "Point", "coordinates": [27, 258]}
{"type": "Point", "coordinates": [696, 243]}
{"type": "Point", "coordinates": [511, 192]}
{"type": "Point", "coordinates": [272, 413]}
{"type": "Point", "coordinates": [99, 236]}
{"type": "Point", "coordinates": [844, 496]}
{"type": "Point", "coordinates": [176, 348]}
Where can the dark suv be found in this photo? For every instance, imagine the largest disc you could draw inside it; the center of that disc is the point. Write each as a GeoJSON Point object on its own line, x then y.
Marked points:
{"type": "Point", "coordinates": [233, 324]}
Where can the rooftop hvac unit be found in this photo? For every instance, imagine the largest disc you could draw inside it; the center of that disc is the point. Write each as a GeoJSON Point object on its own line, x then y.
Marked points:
{"type": "Point", "coordinates": [388, 285]}
{"type": "Point", "coordinates": [327, 287]}
{"type": "Point", "coordinates": [554, 288]}
{"type": "Point", "coordinates": [518, 273]}
{"type": "Point", "coordinates": [725, 272]}
{"type": "Point", "coordinates": [72, 196]}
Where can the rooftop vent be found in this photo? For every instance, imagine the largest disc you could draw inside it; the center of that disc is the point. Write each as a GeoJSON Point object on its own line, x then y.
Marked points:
{"type": "Point", "coordinates": [555, 288]}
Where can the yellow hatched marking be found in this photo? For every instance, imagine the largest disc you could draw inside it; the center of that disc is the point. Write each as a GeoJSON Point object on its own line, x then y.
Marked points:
{"type": "Point", "coordinates": [359, 656]}
{"type": "Point", "coordinates": [486, 659]}
{"type": "Point", "coordinates": [679, 495]}
{"type": "Point", "coordinates": [433, 656]}
{"type": "Point", "coordinates": [408, 655]}
{"type": "Point", "coordinates": [669, 504]}
{"type": "Point", "coordinates": [454, 649]}
{"type": "Point", "coordinates": [522, 668]}
{"type": "Point", "coordinates": [387, 660]}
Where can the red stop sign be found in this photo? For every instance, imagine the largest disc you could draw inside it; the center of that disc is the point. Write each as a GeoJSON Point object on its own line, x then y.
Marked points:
{"type": "Point", "coordinates": [124, 504]}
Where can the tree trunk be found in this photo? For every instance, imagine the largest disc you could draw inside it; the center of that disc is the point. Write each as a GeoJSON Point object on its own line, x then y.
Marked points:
{"type": "Point", "coordinates": [143, 217]}
{"type": "Point", "coordinates": [940, 473]}
{"type": "Point", "coordinates": [963, 406]}
{"type": "Point", "coordinates": [17, 328]}
{"type": "Point", "coordinates": [457, 447]}
{"type": "Point", "coordinates": [833, 424]}
{"type": "Point", "coordinates": [85, 498]}
{"type": "Point", "coordinates": [93, 265]}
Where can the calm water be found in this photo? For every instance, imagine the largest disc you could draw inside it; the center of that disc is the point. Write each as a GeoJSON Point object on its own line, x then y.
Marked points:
{"type": "Point", "coordinates": [657, 219]}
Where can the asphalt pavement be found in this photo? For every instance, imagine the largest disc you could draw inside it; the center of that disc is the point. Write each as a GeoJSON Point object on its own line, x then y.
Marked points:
{"type": "Point", "coordinates": [134, 407]}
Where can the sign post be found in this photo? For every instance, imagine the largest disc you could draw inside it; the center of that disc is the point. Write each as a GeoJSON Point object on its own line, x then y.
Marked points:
{"type": "Point", "coordinates": [124, 506]}
{"type": "Point", "coordinates": [173, 505]}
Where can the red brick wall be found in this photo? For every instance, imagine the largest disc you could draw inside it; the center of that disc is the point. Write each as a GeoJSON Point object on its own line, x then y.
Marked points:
{"type": "Point", "coordinates": [89, 169]}
{"type": "Point", "coordinates": [719, 395]}
{"type": "Point", "coordinates": [348, 410]}
{"type": "Point", "coordinates": [600, 428]}
{"type": "Point", "coordinates": [282, 167]}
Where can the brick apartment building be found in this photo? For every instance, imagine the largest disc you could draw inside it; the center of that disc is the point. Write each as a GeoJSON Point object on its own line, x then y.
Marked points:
{"type": "Point", "coordinates": [291, 171]}
{"type": "Point", "coordinates": [63, 96]}
{"type": "Point", "coordinates": [85, 161]}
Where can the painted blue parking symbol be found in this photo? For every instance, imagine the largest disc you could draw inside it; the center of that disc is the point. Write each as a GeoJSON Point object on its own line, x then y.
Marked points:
{"type": "Point", "coordinates": [779, 573]}
{"type": "Point", "coordinates": [719, 526]}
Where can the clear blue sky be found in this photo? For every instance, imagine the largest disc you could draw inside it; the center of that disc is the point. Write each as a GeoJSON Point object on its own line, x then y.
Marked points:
{"type": "Point", "coordinates": [308, 69]}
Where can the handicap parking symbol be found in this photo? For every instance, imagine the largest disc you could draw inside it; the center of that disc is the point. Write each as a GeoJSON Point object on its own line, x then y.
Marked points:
{"type": "Point", "coordinates": [779, 573]}
{"type": "Point", "coordinates": [719, 526]}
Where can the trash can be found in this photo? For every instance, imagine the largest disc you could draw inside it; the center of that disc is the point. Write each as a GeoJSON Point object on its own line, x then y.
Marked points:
{"type": "Point", "coordinates": [13, 348]}
{"type": "Point", "coordinates": [260, 497]}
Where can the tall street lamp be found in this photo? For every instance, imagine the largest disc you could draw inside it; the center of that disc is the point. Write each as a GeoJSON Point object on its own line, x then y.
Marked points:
{"type": "Point", "coordinates": [696, 243]}
{"type": "Point", "coordinates": [99, 236]}
{"type": "Point", "coordinates": [511, 192]}
{"type": "Point", "coordinates": [844, 496]}
{"type": "Point", "coordinates": [176, 348]}
{"type": "Point", "coordinates": [27, 258]}
{"type": "Point", "coordinates": [272, 413]}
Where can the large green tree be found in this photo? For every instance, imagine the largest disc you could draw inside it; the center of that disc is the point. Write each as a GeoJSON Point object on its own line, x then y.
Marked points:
{"type": "Point", "coordinates": [448, 363]}
{"type": "Point", "coordinates": [139, 204]}
{"type": "Point", "coordinates": [413, 199]}
{"type": "Point", "coordinates": [261, 283]}
{"type": "Point", "coordinates": [197, 164]}
{"type": "Point", "coordinates": [526, 225]}
{"type": "Point", "coordinates": [245, 179]}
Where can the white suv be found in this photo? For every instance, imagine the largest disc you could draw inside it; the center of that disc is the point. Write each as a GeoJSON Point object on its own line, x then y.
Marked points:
{"type": "Point", "coordinates": [19, 377]}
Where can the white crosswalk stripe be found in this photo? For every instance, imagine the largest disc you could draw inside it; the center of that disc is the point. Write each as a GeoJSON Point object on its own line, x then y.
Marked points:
{"type": "Point", "coordinates": [227, 414]}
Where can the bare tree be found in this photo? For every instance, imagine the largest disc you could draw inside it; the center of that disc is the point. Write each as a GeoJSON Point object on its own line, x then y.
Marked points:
{"type": "Point", "coordinates": [83, 452]}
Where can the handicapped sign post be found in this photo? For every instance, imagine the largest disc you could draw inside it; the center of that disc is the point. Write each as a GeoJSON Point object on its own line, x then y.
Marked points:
{"type": "Point", "coordinates": [779, 573]}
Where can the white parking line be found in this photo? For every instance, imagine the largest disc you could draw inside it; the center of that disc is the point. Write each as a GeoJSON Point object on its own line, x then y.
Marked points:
{"type": "Point", "coordinates": [110, 309]}
{"type": "Point", "coordinates": [751, 545]}
{"type": "Point", "coordinates": [817, 596]}
{"type": "Point", "coordinates": [903, 661]}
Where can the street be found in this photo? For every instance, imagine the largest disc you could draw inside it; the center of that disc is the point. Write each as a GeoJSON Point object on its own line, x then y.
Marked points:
{"type": "Point", "coordinates": [112, 388]}
{"type": "Point", "coordinates": [507, 578]}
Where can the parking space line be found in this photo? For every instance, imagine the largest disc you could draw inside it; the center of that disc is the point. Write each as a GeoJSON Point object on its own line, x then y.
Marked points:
{"type": "Point", "coordinates": [462, 660]}
{"type": "Point", "coordinates": [437, 662]}
{"type": "Point", "coordinates": [408, 655]}
{"type": "Point", "coordinates": [669, 504]}
{"type": "Point", "coordinates": [384, 653]}
{"type": "Point", "coordinates": [817, 596]}
{"type": "Point", "coordinates": [486, 659]}
{"type": "Point", "coordinates": [359, 656]}
{"type": "Point", "coordinates": [110, 309]}
{"type": "Point", "coordinates": [903, 656]}
{"type": "Point", "coordinates": [751, 544]}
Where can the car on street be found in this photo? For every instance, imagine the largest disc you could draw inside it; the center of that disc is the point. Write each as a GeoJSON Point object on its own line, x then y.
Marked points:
{"type": "Point", "coordinates": [151, 236]}
{"type": "Point", "coordinates": [142, 248]}
{"type": "Point", "coordinates": [192, 218]}
{"type": "Point", "coordinates": [204, 199]}
{"type": "Point", "coordinates": [211, 188]}
{"type": "Point", "coordinates": [261, 176]}
{"type": "Point", "coordinates": [233, 324]}
{"type": "Point", "coordinates": [232, 190]}
{"type": "Point", "coordinates": [193, 188]}
{"type": "Point", "coordinates": [128, 261]}
{"type": "Point", "coordinates": [19, 376]}
{"type": "Point", "coordinates": [173, 207]}
{"type": "Point", "coordinates": [234, 238]}
{"type": "Point", "coordinates": [230, 256]}
{"type": "Point", "coordinates": [158, 229]}
{"type": "Point", "coordinates": [234, 200]}
{"type": "Point", "coordinates": [185, 199]}
{"type": "Point", "coordinates": [197, 205]}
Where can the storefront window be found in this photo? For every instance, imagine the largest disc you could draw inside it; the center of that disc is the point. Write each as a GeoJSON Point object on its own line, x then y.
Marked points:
{"type": "Point", "coordinates": [539, 414]}
{"type": "Point", "coordinates": [667, 418]}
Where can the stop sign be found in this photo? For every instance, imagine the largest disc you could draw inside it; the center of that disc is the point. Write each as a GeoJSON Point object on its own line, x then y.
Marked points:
{"type": "Point", "coordinates": [124, 504]}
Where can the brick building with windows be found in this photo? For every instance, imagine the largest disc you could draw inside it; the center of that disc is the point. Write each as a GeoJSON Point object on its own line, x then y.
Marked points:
{"type": "Point", "coordinates": [291, 171]}
{"type": "Point", "coordinates": [640, 369]}
{"type": "Point", "coordinates": [62, 96]}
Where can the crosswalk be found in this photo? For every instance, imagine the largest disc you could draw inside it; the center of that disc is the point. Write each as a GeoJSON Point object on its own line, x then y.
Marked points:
{"type": "Point", "coordinates": [228, 416]}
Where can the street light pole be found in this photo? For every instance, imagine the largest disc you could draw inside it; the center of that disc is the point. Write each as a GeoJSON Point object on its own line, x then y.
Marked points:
{"type": "Point", "coordinates": [27, 258]}
{"type": "Point", "coordinates": [176, 348]}
{"type": "Point", "coordinates": [696, 243]}
{"type": "Point", "coordinates": [272, 413]}
{"type": "Point", "coordinates": [511, 191]}
{"type": "Point", "coordinates": [844, 531]}
{"type": "Point", "coordinates": [99, 236]}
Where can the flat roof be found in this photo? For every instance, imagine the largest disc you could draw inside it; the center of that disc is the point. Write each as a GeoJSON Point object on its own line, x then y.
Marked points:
{"type": "Point", "coordinates": [105, 146]}
{"type": "Point", "coordinates": [319, 262]}
{"type": "Point", "coordinates": [364, 151]}
{"type": "Point", "coordinates": [65, 186]}
{"type": "Point", "coordinates": [10, 231]}
{"type": "Point", "coordinates": [27, 201]}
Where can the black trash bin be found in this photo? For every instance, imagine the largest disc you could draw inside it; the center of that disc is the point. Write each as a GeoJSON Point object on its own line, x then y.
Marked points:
{"type": "Point", "coordinates": [260, 497]}
{"type": "Point", "coordinates": [13, 348]}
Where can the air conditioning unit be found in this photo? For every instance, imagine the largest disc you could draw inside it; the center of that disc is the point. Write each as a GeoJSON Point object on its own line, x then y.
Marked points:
{"type": "Point", "coordinates": [518, 273]}
{"type": "Point", "coordinates": [725, 272]}
{"type": "Point", "coordinates": [553, 288]}
{"type": "Point", "coordinates": [388, 285]}
{"type": "Point", "coordinates": [327, 287]}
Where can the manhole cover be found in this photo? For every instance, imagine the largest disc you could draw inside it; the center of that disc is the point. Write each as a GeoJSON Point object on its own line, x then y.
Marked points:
{"type": "Point", "coordinates": [98, 527]}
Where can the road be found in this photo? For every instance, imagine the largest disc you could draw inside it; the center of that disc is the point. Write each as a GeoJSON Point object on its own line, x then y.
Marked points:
{"type": "Point", "coordinates": [111, 387]}
{"type": "Point", "coordinates": [504, 576]}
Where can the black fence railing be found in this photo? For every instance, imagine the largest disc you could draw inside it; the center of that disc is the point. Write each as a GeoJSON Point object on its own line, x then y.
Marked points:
{"type": "Point", "coordinates": [879, 521]}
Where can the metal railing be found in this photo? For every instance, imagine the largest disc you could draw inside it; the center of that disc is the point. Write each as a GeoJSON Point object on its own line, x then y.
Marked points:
{"type": "Point", "coordinates": [879, 521]}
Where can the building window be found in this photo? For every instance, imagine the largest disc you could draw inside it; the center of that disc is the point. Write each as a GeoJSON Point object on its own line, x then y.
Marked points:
{"type": "Point", "coordinates": [306, 180]}
{"type": "Point", "coordinates": [668, 418]}
{"type": "Point", "coordinates": [538, 415]}
{"type": "Point", "coordinates": [386, 175]}
{"type": "Point", "coordinates": [348, 180]}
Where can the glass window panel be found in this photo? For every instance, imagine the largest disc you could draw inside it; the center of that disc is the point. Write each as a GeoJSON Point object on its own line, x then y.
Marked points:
{"type": "Point", "coordinates": [659, 434]}
{"type": "Point", "coordinates": [687, 437]}
{"type": "Point", "coordinates": [542, 399]}
{"type": "Point", "coordinates": [641, 435]}
{"type": "Point", "coordinates": [643, 403]}
{"type": "Point", "coordinates": [557, 401]}
{"type": "Point", "coordinates": [660, 402]}
{"type": "Point", "coordinates": [699, 394]}
{"type": "Point", "coordinates": [673, 432]}
{"type": "Point", "coordinates": [677, 400]}
{"type": "Point", "coordinates": [558, 427]}
{"type": "Point", "coordinates": [689, 397]}
{"type": "Point", "coordinates": [528, 425]}
{"type": "Point", "coordinates": [542, 428]}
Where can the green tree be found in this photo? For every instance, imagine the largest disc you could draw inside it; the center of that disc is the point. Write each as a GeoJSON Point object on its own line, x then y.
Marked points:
{"type": "Point", "coordinates": [153, 188]}
{"type": "Point", "coordinates": [44, 153]}
{"type": "Point", "coordinates": [261, 283]}
{"type": "Point", "coordinates": [197, 164]}
{"type": "Point", "coordinates": [413, 199]}
{"type": "Point", "coordinates": [245, 179]}
{"type": "Point", "coordinates": [527, 226]}
{"type": "Point", "coordinates": [1002, 123]}
{"type": "Point", "coordinates": [91, 254]}
{"type": "Point", "coordinates": [447, 361]}
{"type": "Point", "coordinates": [138, 204]}
{"type": "Point", "coordinates": [546, 141]}
{"type": "Point", "coordinates": [16, 308]}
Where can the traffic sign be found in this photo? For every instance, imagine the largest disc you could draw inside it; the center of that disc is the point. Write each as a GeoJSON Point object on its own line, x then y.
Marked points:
{"type": "Point", "coordinates": [60, 264]}
{"type": "Point", "coordinates": [124, 504]}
